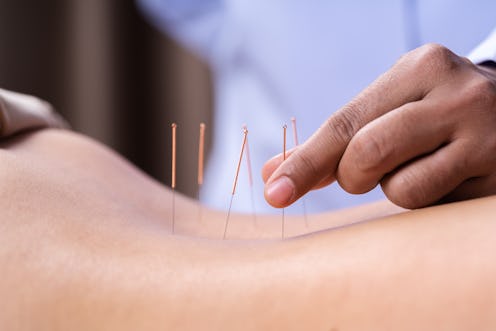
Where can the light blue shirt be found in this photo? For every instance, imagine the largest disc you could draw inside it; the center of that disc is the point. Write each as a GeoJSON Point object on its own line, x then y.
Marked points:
{"type": "Point", "coordinates": [272, 60]}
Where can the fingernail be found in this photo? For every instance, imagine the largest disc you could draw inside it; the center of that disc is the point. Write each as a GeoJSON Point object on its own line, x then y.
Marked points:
{"type": "Point", "coordinates": [280, 191]}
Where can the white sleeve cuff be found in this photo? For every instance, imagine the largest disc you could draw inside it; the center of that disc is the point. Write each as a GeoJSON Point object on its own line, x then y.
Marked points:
{"type": "Point", "coordinates": [486, 51]}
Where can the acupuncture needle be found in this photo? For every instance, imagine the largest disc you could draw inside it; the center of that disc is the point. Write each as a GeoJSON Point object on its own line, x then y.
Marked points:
{"type": "Point", "coordinates": [245, 136]}
{"type": "Point", "coordinates": [201, 144]}
{"type": "Point", "coordinates": [173, 180]}
{"type": "Point", "coordinates": [296, 143]}
{"type": "Point", "coordinates": [284, 128]}
{"type": "Point", "coordinates": [250, 177]}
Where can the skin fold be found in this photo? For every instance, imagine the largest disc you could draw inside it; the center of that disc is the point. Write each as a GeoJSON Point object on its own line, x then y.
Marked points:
{"type": "Point", "coordinates": [87, 245]}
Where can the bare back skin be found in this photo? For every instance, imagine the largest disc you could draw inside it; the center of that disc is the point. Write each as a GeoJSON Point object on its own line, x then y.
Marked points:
{"type": "Point", "coordinates": [86, 244]}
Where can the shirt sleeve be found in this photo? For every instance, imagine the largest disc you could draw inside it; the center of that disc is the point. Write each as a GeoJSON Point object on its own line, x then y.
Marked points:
{"type": "Point", "coordinates": [204, 26]}
{"type": "Point", "coordinates": [486, 51]}
{"type": "Point", "coordinates": [19, 112]}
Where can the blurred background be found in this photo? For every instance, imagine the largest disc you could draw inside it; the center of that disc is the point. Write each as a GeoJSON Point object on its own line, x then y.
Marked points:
{"type": "Point", "coordinates": [111, 75]}
{"type": "Point", "coordinates": [117, 79]}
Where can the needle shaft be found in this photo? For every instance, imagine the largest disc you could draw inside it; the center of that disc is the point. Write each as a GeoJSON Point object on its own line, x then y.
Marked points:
{"type": "Point", "coordinates": [296, 143]}
{"type": "Point", "coordinates": [201, 145]}
{"type": "Point", "coordinates": [250, 178]}
{"type": "Point", "coordinates": [284, 128]}
{"type": "Point", "coordinates": [243, 144]}
{"type": "Point", "coordinates": [173, 175]}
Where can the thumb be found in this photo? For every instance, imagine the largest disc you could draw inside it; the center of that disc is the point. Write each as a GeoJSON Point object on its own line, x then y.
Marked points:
{"type": "Point", "coordinates": [310, 164]}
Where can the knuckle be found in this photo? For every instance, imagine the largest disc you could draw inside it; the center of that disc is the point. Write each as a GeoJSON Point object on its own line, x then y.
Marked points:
{"type": "Point", "coordinates": [368, 150]}
{"type": "Point", "coordinates": [434, 58]}
{"type": "Point", "coordinates": [304, 166]}
{"type": "Point", "coordinates": [358, 170]}
{"type": "Point", "coordinates": [481, 92]}
{"type": "Point", "coordinates": [436, 54]}
{"type": "Point", "coordinates": [343, 125]}
{"type": "Point", "coordinates": [306, 162]}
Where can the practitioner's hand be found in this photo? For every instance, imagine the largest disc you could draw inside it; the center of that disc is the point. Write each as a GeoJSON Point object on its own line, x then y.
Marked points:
{"type": "Point", "coordinates": [425, 130]}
